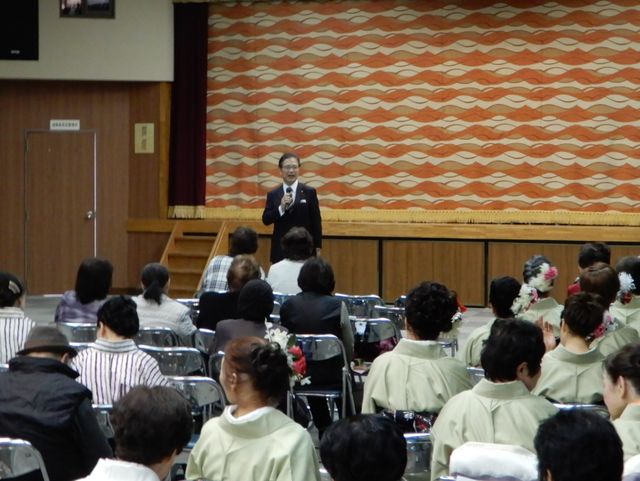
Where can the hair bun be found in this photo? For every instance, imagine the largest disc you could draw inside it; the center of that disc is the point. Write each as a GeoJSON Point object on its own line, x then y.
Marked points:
{"type": "Point", "coordinates": [270, 369]}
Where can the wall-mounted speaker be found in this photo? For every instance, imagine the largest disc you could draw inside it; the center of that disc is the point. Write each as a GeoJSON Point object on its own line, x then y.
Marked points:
{"type": "Point", "coordinates": [19, 29]}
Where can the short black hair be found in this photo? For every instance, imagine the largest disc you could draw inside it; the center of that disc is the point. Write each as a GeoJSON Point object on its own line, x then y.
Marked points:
{"type": "Point", "coordinates": [574, 445]}
{"type": "Point", "coordinates": [93, 280]}
{"type": "Point", "coordinates": [625, 363]}
{"type": "Point", "coordinates": [316, 275]}
{"type": "Point", "coordinates": [429, 309]}
{"type": "Point", "coordinates": [150, 424]}
{"type": "Point", "coordinates": [502, 292]}
{"type": "Point", "coordinates": [630, 265]}
{"type": "Point", "coordinates": [244, 240]}
{"type": "Point", "coordinates": [592, 252]}
{"type": "Point", "coordinates": [601, 279]}
{"type": "Point", "coordinates": [510, 343]}
{"type": "Point", "coordinates": [583, 313]}
{"type": "Point", "coordinates": [297, 244]}
{"type": "Point", "coordinates": [364, 447]}
{"type": "Point", "coordinates": [154, 277]}
{"type": "Point", "coordinates": [255, 301]}
{"type": "Point", "coordinates": [120, 315]}
{"type": "Point", "coordinates": [288, 155]}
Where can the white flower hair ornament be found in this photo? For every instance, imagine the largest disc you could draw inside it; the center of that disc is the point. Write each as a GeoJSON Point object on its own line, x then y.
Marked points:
{"type": "Point", "coordinates": [527, 296]}
{"type": "Point", "coordinates": [543, 281]}
{"type": "Point", "coordinates": [627, 286]}
{"type": "Point", "coordinates": [295, 357]}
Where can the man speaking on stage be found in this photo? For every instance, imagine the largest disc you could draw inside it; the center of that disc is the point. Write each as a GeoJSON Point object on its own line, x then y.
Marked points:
{"type": "Point", "coordinates": [293, 204]}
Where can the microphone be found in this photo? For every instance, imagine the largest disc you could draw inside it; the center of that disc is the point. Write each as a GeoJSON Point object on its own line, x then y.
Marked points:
{"type": "Point", "coordinates": [288, 190]}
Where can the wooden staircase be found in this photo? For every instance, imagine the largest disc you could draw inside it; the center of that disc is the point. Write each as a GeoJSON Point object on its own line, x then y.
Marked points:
{"type": "Point", "coordinates": [188, 251]}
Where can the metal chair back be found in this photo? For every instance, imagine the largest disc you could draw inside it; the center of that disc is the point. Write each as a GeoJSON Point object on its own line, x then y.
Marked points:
{"type": "Point", "coordinates": [203, 393]}
{"type": "Point", "coordinates": [204, 339]}
{"type": "Point", "coordinates": [19, 457]}
{"type": "Point", "coordinates": [280, 298]}
{"type": "Point", "coordinates": [360, 306]}
{"type": "Point", "coordinates": [157, 336]}
{"type": "Point", "coordinates": [395, 314]}
{"type": "Point", "coordinates": [177, 361]}
{"type": "Point", "coordinates": [594, 408]}
{"type": "Point", "coordinates": [103, 415]}
{"type": "Point", "coordinates": [476, 374]}
{"type": "Point", "coordinates": [4, 367]}
{"type": "Point", "coordinates": [215, 364]}
{"type": "Point", "coordinates": [418, 456]}
{"type": "Point", "coordinates": [78, 331]}
{"type": "Point", "coordinates": [193, 304]}
{"type": "Point", "coordinates": [373, 336]}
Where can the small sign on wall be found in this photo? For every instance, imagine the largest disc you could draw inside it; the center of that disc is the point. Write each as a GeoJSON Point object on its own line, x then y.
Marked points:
{"type": "Point", "coordinates": [64, 124]}
{"type": "Point", "coordinates": [143, 136]}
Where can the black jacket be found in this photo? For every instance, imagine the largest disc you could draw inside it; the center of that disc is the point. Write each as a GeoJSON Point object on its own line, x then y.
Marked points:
{"type": "Point", "coordinates": [41, 402]}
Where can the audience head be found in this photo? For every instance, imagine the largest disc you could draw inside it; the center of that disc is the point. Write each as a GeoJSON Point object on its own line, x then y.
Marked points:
{"type": "Point", "coordinates": [152, 425]}
{"type": "Point", "coordinates": [601, 279]}
{"type": "Point", "coordinates": [297, 244]}
{"type": "Point", "coordinates": [502, 292]}
{"type": "Point", "coordinates": [593, 252]}
{"type": "Point", "coordinates": [93, 280]}
{"type": "Point", "coordinates": [252, 365]}
{"type": "Point", "coordinates": [539, 273]}
{"type": "Point", "coordinates": [12, 290]}
{"type": "Point", "coordinates": [364, 447]}
{"type": "Point", "coordinates": [622, 379]}
{"type": "Point", "coordinates": [631, 266]}
{"type": "Point", "coordinates": [255, 301]}
{"type": "Point", "coordinates": [243, 268]}
{"type": "Point", "coordinates": [47, 341]}
{"type": "Point", "coordinates": [429, 309]}
{"type": "Point", "coordinates": [574, 445]}
{"type": "Point", "coordinates": [155, 277]}
{"type": "Point", "coordinates": [316, 275]}
{"type": "Point", "coordinates": [119, 314]}
{"type": "Point", "coordinates": [244, 240]}
{"type": "Point", "coordinates": [513, 351]}
{"type": "Point", "coordinates": [583, 313]}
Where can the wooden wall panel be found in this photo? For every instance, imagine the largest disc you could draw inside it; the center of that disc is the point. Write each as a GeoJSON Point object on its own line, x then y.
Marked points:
{"type": "Point", "coordinates": [458, 265]}
{"type": "Point", "coordinates": [143, 248]}
{"type": "Point", "coordinates": [355, 264]}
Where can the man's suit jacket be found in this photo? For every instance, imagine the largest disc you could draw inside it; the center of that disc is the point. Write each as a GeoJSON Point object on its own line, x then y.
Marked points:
{"type": "Point", "coordinates": [305, 212]}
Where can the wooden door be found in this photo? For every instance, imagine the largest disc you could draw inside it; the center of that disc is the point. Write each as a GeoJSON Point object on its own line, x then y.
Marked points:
{"type": "Point", "coordinates": [60, 207]}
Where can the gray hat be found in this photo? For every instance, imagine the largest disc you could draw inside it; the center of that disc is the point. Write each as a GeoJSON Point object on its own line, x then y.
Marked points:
{"type": "Point", "coordinates": [47, 339]}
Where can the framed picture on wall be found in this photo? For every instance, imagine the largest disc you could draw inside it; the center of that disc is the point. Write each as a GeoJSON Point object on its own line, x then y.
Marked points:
{"type": "Point", "coordinates": [88, 8]}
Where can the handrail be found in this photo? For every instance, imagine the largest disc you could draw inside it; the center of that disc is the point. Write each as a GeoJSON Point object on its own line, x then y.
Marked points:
{"type": "Point", "coordinates": [220, 246]}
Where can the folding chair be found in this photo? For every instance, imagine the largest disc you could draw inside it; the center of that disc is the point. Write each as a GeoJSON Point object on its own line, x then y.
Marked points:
{"type": "Point", "coordinates": [193, 304]}
{"type": "Point", "coordinates": [204, 339]}
{"type": "Point", "coordinates": [4, 367]}
{"type": "Point", "coordinates": [476, 374]}
{"type": "Point", "coordinates": [177, 361]}
{"type": "Point", "coordinates": [278, 299]}
{"type": "Point", "coordinates": [360, 306]}
{"type": "Point", "coordinates": [157, 336]}
{"type": "Point", "coordinates": [594, 408]}
{"type": "Point", "coordinates": [373, 336]}
{"type": "Point", "coordinates": [103, 415]}
{"type": "Point", "coordinates": [418, 457]}
{"type": "Point", "coordinates": [203, 393]}
{"type": "Point", "coordinates": [19, 457]}
{"type": "Point", "coordinates": [395, 314]}
{"type": "Point", "coordinates": [78, 331]}
{"type": "Point", "coordinates": [327, 347]}
{"type": "Point", "coordinates": [215, 364]}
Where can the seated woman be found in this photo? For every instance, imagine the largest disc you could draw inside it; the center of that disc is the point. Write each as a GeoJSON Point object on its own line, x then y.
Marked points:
{"type": "Point", "coordinates": [255, 304]}
{"type": "Point", "coordinates": [622, 396]}
{"type": "Point", "coordinates": [626, 308]}
{"type": "Point", "coordinates": [297, 247]}
{"type": "Point", "coordinates": [93, 282]}
{"type": "Point", "coordinates": [572, 372]}
{"type": "Point", "coordinates": [316, 311]}
{"type": "Point", "coordinates": [417, 375]}
{"type": "Point", "coordinates": [14, 325]}
{"type": "Point", "coordinates": [156, 309]}
{"type": "Point", "coordinates": [253, 441]}
{"type": "Point", "coordinates": [114, 364]}
{"type": "Point", "coordinates": [601, 279]}
{"type": "Point", "coordinates": [534, 301]}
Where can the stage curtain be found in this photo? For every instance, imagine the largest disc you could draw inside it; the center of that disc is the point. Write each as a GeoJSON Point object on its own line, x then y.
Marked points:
{"type": "Point", "coordinates": [188, 112]}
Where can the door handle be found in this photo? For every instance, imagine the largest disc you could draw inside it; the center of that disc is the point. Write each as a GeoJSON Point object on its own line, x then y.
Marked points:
{"type": "Point", "coordinates": [90, 215]}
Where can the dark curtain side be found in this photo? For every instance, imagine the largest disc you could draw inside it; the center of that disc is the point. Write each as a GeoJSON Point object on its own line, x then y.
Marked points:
{"type": "Point", "coordinates": [187, 165]}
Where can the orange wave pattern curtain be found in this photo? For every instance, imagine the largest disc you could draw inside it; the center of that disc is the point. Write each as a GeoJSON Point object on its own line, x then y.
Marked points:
{"type": "Point", "coordinates": [467, 111]}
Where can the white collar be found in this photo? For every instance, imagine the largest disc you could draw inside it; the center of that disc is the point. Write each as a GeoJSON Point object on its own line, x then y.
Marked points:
{"type": "Point", "coordinates": [118, 469]}
{"type": "Point", "coordinates": [252, 416]}
{"type": "Point", "coordinates": [294, 187]}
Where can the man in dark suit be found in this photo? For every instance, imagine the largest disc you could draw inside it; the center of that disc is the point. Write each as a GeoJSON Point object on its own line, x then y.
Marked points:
{"type": "Point", "coordinates": [293, 204]}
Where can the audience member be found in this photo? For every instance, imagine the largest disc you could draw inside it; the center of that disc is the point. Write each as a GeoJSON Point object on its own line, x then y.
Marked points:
{"type": "Point", "coordinates": [499, 409]}
{"type": "Point", "coordinates": [152, 426]}
{"type": "Point", "coordinates": [418, 376]}
{"type": "Point", "coordinates": [156, 309]}
{"type": "Point", "coordinates": [14, 324]}
{"type": "Point", "coordinates": [297, 247]}
{"type": "Point", "coordinates": [244, 240]}
{"type": "Point", "coordinates": [255, 304]}
{"type": "Point", "coordinates": [626, 307]}
{"type": "Point", "coordinates": [114, 364]}
{"type": "Point", "coordinates": [316, 311]}
{"type": "Point", "coordinates": [93, 282]}
{"type": "Point", "coordinates": [534, 301]}
{"type": "Point", "coordinates": [42, 403]}
{"type": "Point", "coordinates": [590, 253]}
{"type": "Point", "coordinates": [622, 396]}
{"type": "Point", "coordinates": [364, 448]}
{"type": "Point", "coordinates": [578, 445]}
{"type": "Point", "coordinates": [253, 441]}
{"type": "Point", "coordinates": [572, 372]}
{"type": "Point", "coordinates": [601, 279]}
{"type": "Point", "coordinates": [502, 292]}
{"type": "Point", "coordinates": [216, 306]}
